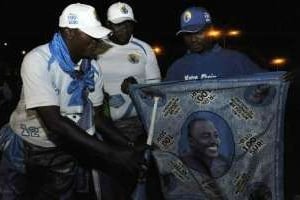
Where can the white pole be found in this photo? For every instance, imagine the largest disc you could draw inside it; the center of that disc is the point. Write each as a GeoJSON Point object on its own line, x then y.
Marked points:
{"type": "Point", "coordinates": [151, 128]}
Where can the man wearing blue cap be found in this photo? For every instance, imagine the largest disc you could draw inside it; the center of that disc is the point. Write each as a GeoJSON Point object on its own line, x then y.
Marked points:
{"type": "Point", "coordinates": [205, 58]}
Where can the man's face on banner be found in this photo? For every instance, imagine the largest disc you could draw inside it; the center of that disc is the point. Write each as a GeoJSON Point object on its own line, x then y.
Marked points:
{"type": "Point", "coordinates": [204, 139]}
{"type": "Point", "coordinates": [259, 93]}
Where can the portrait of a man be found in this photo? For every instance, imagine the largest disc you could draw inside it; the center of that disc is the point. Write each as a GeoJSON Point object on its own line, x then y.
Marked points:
{"type": "Point", "coordinates": [261, 94]}
{"type": "Point", "coordinates": [204, 143]}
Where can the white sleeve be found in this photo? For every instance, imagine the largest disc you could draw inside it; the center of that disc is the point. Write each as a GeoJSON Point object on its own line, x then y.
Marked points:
{"type": "Point", "coordinates": [97, 95]}
{"type": "Point", "coordinates": [37, 85]}
{"type": "Point", "coordinates": [152, 69]}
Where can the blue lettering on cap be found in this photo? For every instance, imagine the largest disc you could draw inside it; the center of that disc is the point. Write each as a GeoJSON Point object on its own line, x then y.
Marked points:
{"type": "Point", "coordinates": [73, 19]}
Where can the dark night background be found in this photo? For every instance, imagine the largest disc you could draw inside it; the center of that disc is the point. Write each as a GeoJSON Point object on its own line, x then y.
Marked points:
{"type": "Point", "coordinates": [269, 29]}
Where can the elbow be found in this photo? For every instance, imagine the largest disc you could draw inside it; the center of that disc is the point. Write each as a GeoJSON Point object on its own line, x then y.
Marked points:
{"type": "Point", "coordinates": [53, 125]}
{"type": "Point", "coordinates": [51, 118]}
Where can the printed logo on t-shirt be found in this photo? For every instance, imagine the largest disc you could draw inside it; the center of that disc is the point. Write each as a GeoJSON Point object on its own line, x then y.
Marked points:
{"type": "Point", "coordinates": [134, 58]}
{"type": "Point", "coordinates": [190, 77]}
{"type": "Point", "coordinates": [202, 76]}
{"type": "Point", "coordinates": [29, 131]}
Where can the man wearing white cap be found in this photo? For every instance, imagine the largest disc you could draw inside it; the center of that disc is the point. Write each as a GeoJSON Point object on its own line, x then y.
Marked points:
{"type": "Point", "coordinates": [130, 60]}
{"type": "Point", "coordinates": [52, 128]}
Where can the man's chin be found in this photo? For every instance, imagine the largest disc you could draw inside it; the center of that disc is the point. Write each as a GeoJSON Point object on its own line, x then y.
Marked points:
{"type": "Point", "coordinates": [92, 56]}
{"type": "Point", "coordinates": [212, 153]}
{"type": "Point", "coordinates": [123, 42]}
{"type": "Point", "coordinates": [197, 50]}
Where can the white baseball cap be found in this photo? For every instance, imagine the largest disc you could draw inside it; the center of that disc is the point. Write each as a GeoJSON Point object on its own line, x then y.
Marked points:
{"type": "Point", "coordinates": [83, 17]}
{"type": "Point", "coordinates": [119, 12]}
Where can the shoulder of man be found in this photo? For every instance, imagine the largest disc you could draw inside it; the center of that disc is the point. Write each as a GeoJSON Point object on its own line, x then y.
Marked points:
{"type": "Point", "coordinates": [141, 42]}
{"type": "Point", "coordinates": [41, 50]}
{"type": "Point", "coordinates": [144, 45]}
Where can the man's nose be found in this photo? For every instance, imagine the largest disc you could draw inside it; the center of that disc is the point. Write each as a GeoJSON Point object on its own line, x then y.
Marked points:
{"type": "Point", "coordinates": [194, 38]}
{"type": "Point", "coordinates": [214, 139]}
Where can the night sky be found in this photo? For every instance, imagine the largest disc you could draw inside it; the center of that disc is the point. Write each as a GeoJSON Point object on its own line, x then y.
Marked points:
{"type": "Point", "coordinates": [268, 27]}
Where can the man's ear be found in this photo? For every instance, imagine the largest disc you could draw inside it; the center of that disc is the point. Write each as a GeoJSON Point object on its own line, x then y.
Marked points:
{"type": "Point", "coordinates": [69, 33]}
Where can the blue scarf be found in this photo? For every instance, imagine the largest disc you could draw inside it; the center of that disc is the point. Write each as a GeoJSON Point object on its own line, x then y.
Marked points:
{"type": "Point", "coordinates": [79, 84]}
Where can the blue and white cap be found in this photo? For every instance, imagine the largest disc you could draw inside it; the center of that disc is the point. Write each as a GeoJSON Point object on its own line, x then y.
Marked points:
{"type": "Point", "coordinates": [83, 17]}
{"type": "Point", "coordinates": [194, 19]}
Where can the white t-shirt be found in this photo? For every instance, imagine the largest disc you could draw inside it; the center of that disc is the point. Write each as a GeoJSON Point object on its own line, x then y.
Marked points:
{"type": "Point", "coordinates": [135, 59]}
{"type": "Point", "coordinates": [45, 84]}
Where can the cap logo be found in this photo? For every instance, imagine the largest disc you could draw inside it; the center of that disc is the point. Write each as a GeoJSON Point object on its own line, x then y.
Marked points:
{"type": "Point", "coordinates": [206, 17]}
{"type": "Point", "coordinates": [124, 10]}
{"type": "Point", "coordinates": [72, 19]}
{"type": "Point", "coordinates": [187, 15]}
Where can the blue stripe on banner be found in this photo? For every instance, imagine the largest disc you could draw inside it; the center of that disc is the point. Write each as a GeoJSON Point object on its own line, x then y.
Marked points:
{"type": "Point", "coordinates": [218, 138]}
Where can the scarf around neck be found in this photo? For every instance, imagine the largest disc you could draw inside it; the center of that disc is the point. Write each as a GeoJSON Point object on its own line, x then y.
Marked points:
{"type": "Point", "coordinates": [80, 83]}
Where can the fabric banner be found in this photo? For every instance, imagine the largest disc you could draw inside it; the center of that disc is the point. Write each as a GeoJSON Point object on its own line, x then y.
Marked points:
{"type": "Point", "coordinates": [217, 138]}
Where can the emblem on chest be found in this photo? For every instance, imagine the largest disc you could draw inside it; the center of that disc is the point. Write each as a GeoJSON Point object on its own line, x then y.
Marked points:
{"type": "Point", "coordinates": [134, 58]}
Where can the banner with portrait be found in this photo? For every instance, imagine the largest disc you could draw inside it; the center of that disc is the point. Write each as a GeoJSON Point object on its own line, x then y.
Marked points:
{"type": "Point", "coordinates": [217, 138]}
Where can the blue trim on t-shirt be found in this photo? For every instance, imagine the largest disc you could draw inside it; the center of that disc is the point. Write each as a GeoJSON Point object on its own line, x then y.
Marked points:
{"type": "Point", "coordinates": [141, 46]}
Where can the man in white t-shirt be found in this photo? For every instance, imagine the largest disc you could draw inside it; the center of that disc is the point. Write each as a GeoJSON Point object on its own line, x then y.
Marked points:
{"type": "Point", "coordinates": [53, 126]}
{"type": "Point", "coordinates": [129, 61]}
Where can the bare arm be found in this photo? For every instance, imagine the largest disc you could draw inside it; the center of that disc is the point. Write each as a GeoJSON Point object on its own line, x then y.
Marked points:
{"type": "Point", "coordinates": [105, 156]}
{"type": "Point", "coordinates": [107, 129]}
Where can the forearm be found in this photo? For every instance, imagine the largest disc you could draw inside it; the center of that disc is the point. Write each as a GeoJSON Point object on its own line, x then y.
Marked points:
{"type": "Point", "coordinates": [114, 160]}
{"type": "Point", "coordinates": [109, 132]}
{"type": "Point", "coordinates": [72, 135]}
{"type": "Point", "coordinates": [111, 159]}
